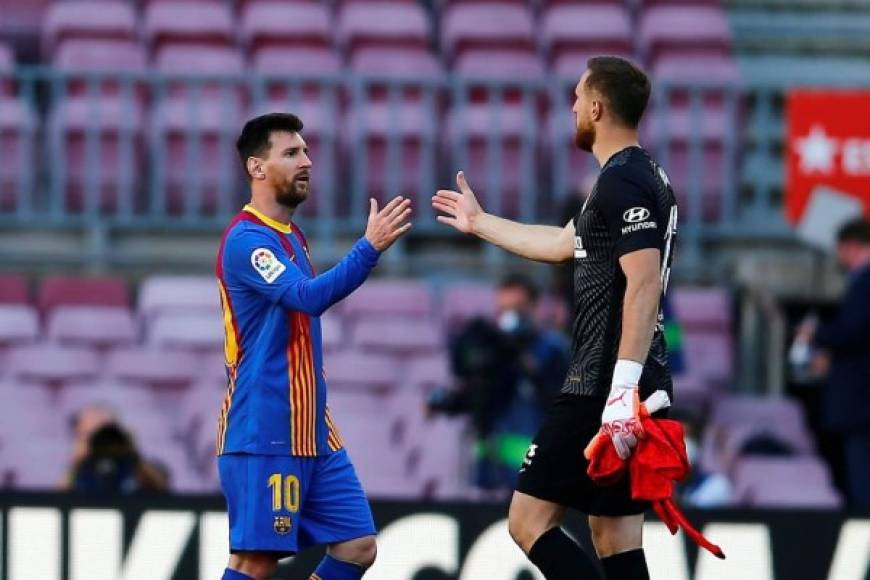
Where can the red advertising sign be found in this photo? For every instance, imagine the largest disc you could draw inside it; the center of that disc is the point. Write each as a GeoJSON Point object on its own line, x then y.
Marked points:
{"type": "Point", "coordinates": [827, 147]}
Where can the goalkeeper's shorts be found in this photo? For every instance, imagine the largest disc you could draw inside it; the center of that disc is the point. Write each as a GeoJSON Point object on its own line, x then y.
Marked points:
{"type": "Point", "coordinates": [554, 468]}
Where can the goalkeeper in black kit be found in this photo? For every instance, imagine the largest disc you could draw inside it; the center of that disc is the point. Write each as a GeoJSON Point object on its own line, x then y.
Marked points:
{"type": "Point", "coordinates": [621, 244]}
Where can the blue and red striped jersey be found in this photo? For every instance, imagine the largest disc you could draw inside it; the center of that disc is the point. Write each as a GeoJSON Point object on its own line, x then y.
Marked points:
{"type": "Point", "coordinates": [272, 301]}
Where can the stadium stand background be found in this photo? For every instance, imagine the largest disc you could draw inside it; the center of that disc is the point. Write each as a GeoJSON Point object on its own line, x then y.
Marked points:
{"type": "Point", "coordinates": [117, 172]}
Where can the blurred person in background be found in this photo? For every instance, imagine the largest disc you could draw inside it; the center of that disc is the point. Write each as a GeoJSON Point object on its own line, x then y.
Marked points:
{"type": "Point", "coordinates": [839, 349]}
{"type": "Point", "coordinates": [83, 425]}
{"type": "Point", "coordinates": [112, 465]}
{"type": "Point", "coordinates": [703, 488]}
{"type": "Point", "coordinates": [507, 372]}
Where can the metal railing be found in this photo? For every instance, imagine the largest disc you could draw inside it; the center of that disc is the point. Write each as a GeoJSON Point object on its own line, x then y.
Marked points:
{"type": "Point", "coordinates": [153, 150]}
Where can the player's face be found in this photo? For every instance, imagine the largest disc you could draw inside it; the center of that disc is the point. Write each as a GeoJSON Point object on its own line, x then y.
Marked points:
{"type": "Point", "coordinates": [288, 168]}
{"type": "Point", "coordinates": [584, 135]}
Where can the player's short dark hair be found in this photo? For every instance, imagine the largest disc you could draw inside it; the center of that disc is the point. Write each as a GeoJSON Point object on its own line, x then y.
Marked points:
{"type": "Point", "coordinates": [523, 282]}
{"type": "Point", "coordinates": [623, 85]}
{"type": "Point", "coordinates": [254, 138]}
{"type": "Point", "coordinates": [856, 230]}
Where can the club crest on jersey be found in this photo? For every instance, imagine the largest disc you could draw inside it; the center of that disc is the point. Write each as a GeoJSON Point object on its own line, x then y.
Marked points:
{"type": "Point", "coordinates": [579, 252]}
{"type": "Point", "coordinates": [266, 264]}
{"type": "Point", "coordinates": [282, 525]}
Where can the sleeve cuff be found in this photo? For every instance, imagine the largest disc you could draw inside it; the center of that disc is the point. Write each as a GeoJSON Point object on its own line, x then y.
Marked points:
{"type": "Point", "coordinates": [367, 250]}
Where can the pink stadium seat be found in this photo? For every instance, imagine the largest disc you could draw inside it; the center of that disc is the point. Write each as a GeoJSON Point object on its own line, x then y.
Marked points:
{"type": "Point", "coordinates": [710, 355]}
{"type": "Point", "coordinates": [471, 127]}
{"type": "Point", "coordinates": [332, 331]}
{"type": "Point", "coordinates": [157, 368]}
{"type": "Point", "coordinates": [93, 326]}
{"type": "Point", "coordinates": [400, 337]}
{"type": "Point", "coordinates": [21, 20]}
{"type": "Point", "coordinates": [596, 28]}
{"type": "Point", "coordinates": [18, 128]}
{"type": "Point", "coordinates": [19, 324]}
{"type": "Point", "coordinates": [90, 19]}
{"type": "Point", "coordinates": [44, 474]}
{"type": "Point", "coordinates": [78, 56]}
{"type": "Point", "coordinates": [439, 456]}
{"type": "Point", "coordinates": [752, 474]}
{"type": "Point", "coordinates": [52, 365]}
{"type": "Point", "coordinates": [463, 301]}
{"type": "Point", "coordinates": [213, 370]}
{"type": "Point", "coordinates": [174, 294]}
{"type": "Point", "coordinates": [666, 30]}
{"type": "Point", "coordinates": [200, 59]}
{"type": "Point", "coordinates": [692, 67]}
{"type": "Point", "coordinates": [7, 68]}
{"type": "Point", "coordinates": [115, 171]}
{"type": "Point", "coordinates": [382, 23]}
{"type": "Point", "coordinates": [409, 62]}
{"type": "Point", "coordinates": [195, 331]}
{"type": "Point", "coordinates": [352, 370]}
{"type": "Point", "coordinates": [14, 289]}
{"type": "Point", "coordinates": [286, 23]}
{"type": "Point", "coordinates": [750, 410]}
{"type": "Point", "coordinates": [499, 64]}
{"type": "Point", "coordinates": [795, 495]}
{"type": "Point", "coordinates": [121, 399]}
{"type": "Point", "coordinates": [178, 130]}
{"type": "Point", "coordinates": [702, 308]}
{"type": "Point", "coordinates": [570, 65]}
{"type": "Point", "coordinates": [389, 298]}
{"type": "Point", "coordinates": [76, 291]}
{"type": "Point", "coordinates": [426, 372]}
{"type": "Point", "coordinates": [486, 25]}
{"type": "Point", "coordinates": [188, 22]}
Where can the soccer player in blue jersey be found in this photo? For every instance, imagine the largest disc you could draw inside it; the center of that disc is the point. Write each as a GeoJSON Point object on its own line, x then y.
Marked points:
{"type": "Point", "coordinates": [288, 481]}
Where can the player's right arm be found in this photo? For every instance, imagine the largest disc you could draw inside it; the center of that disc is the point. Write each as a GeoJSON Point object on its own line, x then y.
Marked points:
{"type": "Point", "coordinates": [256, 260]}
{"type": "Point", "coordinates": [540, 243]}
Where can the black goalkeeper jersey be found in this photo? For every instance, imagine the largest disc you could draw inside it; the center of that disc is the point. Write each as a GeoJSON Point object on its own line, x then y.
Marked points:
{"type": "Point", "coordinates": [631, 207]}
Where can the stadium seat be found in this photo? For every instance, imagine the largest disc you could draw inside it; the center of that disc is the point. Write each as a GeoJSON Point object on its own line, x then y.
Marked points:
{"type": "Point", "coordinates": [87, 19]}
{"type": "Point", "coordinates": [355, 371]}
{"type": "Point", "coordinates": [188, 22]}
{"type": "Point", "coordinates": [174, 294]}
{"type": "Point", "coordinates": [52, 365]}
{"type": "Point", "coordinates": [92, 326]}
{"type": "Point", "coordinates": [751, 474]}
{"type": "Point", "coordinates": [440, 453]}
{"type": "Point", "coordinates": [750, 410]}
{"type": "Point", "coordinates": [332, 332]}
{"type": "Point", "coordinates": [18, 131]}
{"type": "Point", "coordinates": [14, 289]}
{"type": "Point", "coordinates": [667, 30]}
{"type": "Point", "coordinates": [194, 141]}
{"type": "Point", "coordinates": [427, 372]}
{"type": "Point", "coordinates": [401, 337]}
{"type": "Point", "coordinates": [702, 309]}
{"type": "Point", "coordinates": [476, 25]}
{"type": "Point", "coordinates": [794, 495]}
{"type": "Point", "coordinates": [155, 368]}
{"type": "Point", "coordinates": [382, 23]}
{"type": "Point", "coordinates": [22, 21]}
{"type": "Point", "coordinates": [194, 331]}
{"type": "Point", "coordinates": [710, 355]}
{"type": "Point", "coordinates": [42, 475]}
{"type": "Point", "coordinates": [471, 129]}
{"type": "Point", "coordinates": [57, 291]}
{"type": "Point", "coordinates": [293, 23]}
{"type": "Point", "coordinates": [105, 178]}
{"type": "Point", "coordinates": [7, 68]}
{"type": "Point", "coordinates": [389, 299]}
{"type": "Point", "coordinates": [585, 29]}
{"type": "Point", "coordinates": [82, 57]}
{"type": "Point", "coordinates": [461, 302]}
{"type": "Point", "coordinates": [19, 324]}
{"type": "Point", "coordinates": [121, 399]}
{"type": "Point", "coordinates": [200, 60]}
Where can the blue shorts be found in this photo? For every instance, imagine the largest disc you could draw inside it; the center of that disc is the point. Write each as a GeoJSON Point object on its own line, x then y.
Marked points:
{"type": "Point", "coordinates": [285, 504]}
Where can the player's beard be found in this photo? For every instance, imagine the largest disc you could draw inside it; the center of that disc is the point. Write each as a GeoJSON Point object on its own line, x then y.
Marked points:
{"type": "Point", "coordinates": [294, 193]}
{"type": "Point", "coordinates": [584, 137]}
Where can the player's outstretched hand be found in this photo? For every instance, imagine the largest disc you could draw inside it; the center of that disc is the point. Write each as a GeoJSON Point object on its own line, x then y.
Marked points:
{"type": "Point", "coordinates": [389, 224]}
{"type": "Point", "coordinates": [461, 209]}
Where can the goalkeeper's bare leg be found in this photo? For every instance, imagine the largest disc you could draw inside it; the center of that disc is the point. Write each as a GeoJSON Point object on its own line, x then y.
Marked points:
{"type": "Point", "coordinates": [534, 524]}
{"type": "Point", "coordinates": [619, 544]}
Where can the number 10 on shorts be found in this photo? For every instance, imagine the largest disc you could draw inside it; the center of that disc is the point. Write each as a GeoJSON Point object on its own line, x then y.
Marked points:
{"type": "Point", "coordinates": [286, 487]}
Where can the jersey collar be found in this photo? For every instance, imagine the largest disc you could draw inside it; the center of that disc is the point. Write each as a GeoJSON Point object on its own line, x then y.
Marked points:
{"type": "Point", "coordinates": [283, 228]}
